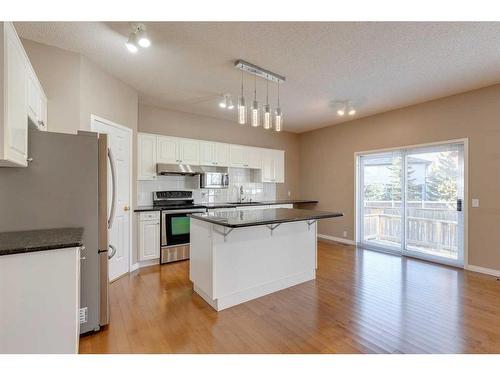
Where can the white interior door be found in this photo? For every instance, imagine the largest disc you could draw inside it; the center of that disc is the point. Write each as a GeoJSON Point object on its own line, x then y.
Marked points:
{"type": "Point", "coordinates": [411, 202]}
{"type": "Point", "coordinates": [119, 140]}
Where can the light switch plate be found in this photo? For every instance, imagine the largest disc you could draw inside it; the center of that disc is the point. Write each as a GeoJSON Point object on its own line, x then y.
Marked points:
{"type": "Point", "coordinates": [475, 202]}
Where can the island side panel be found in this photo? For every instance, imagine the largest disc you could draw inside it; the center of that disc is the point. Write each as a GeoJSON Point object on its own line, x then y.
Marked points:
{"type": "Point", "coordinates": [252, 263]}
{"type": "Point", "coordinates": [200, 262]}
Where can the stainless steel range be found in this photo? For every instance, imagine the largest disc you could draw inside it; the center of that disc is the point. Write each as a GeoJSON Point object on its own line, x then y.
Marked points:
{"type": "Point", "coordinates": [175, 223]}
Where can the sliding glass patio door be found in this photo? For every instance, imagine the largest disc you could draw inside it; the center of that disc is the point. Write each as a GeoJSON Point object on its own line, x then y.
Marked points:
{"type": "Point", "coordinates": [410, 202]}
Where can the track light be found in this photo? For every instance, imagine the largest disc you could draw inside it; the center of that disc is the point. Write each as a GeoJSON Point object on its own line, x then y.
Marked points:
{"type": "Point", "coordinates": [346, 108]}
{"type": "Point", "coordinates": [132, 43]}
{"type": "Point", "coordinates": [142, 37]}
{"type": "Point", "coordinates": [226, 102]}
{"type": "Point", "coordinates": [137, 37]}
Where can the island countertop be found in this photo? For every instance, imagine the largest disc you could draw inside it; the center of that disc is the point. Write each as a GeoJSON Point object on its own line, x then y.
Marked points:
{"type": "Point", "coordinates": [250, 218]}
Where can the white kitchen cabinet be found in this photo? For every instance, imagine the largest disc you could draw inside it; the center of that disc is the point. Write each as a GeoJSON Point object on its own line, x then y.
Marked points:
{"type": "Point", "coordinates": [214, 154]}
{"type": "Point", "coordinates": [14, 119]}
{"type": "Point", "coordinates": [188, 152]}
{"type": "Point", "coordinates": [167, 150]}
{"type": "Point", "coordinates": [37, 101]}
{"type": "Point", "coordinates": [273, 166]}
{"type": "Point", "coordinates": [146, 151]}
{"type": "Point", "coordinates": [171, 150]}
{"type": "Point", "coordinates": [245, 157]}
{"type": "Point", "coordinates": [149, 235]}
{"type": "Point", "coordinates": [40, 302]}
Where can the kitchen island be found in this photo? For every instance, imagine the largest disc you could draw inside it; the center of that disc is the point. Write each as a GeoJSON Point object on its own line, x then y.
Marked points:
{"type": "Point", "coordinates": [242, 255]}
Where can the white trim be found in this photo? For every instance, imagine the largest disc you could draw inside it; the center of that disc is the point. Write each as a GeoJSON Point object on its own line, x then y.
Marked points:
{"type": "Point", "coordinates": [487, 271]}
{"type": "Point", "coordinates": [131, 166]}
{"type": "Point", "coordinates": [465, 203]}
{"type": "Point", "coordinates": [144, 263]}
{"type": "Point", "coordinates": [336, 239]}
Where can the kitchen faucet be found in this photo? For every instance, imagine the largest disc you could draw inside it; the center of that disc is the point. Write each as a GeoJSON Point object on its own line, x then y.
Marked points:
{"type": "Point", "coordinates": [241, 197]}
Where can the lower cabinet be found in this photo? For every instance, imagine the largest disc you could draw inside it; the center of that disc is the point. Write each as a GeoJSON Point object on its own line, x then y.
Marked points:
{"type": "Point", "coordinates": [149, 235]}
{"type": "Point", "coordinates": [40, 302]}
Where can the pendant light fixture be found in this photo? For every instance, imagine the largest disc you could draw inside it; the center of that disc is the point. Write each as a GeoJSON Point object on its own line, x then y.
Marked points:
{"type": "Point", "coordinates": [267, 110]}
{"type": "Point", "coordinates": [242, 109]}
{"type": "Point", "coordinates": [226, 102]}
{"type": "Point", "coordinates": [278, 118]}
{"type": "Point", "coordinates": [256, 117]}
{"type": "Point", "coordinates": [255, 106]}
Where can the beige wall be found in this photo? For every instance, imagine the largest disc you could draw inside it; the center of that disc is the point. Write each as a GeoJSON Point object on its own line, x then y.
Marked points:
{"type": "Point", "coordinates": [59, 73]}
{"type": "Point", "coordinates": [181, 124]}
{"type": "Point", "coordinates": [76, 88]}
{"type": "Point", "coordinates": [327, 160]}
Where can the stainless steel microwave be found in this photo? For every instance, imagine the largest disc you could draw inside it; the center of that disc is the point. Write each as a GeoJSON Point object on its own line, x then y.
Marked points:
{"type": "Point", "coordinates": [214, 180]}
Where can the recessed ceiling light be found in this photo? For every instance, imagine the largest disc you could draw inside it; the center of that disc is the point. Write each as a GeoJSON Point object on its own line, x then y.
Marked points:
{"type": "Point", "coordinates": [341, 112]}
{"type": "Point", "coordinates": [351, 112]}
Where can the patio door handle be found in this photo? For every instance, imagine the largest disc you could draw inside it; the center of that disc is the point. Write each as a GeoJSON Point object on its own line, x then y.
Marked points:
{"type": "Point", "coordinates": [459, 205]}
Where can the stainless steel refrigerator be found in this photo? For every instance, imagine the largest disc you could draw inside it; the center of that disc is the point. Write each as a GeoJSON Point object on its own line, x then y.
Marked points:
{"type": "Point", "coordinates": [66, 185]}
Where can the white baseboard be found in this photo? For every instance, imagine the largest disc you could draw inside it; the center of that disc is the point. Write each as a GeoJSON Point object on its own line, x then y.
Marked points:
{"type": "Point", "coordinates": [144, 263]}
{"type": "Point", "coordinates": [487, 271]}
{"type": "Point", "coordinates": [336, 239]}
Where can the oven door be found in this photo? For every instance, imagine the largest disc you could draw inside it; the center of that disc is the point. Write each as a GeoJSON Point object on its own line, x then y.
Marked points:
{"type": "Point", "coordinates": [175, 226]}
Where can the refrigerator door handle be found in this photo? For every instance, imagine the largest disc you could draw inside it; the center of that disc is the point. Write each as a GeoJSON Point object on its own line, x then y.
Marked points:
{"type": "Point", "coordinates": [113, 199]}
{"type": "Point", "coordinates": [113, 252]}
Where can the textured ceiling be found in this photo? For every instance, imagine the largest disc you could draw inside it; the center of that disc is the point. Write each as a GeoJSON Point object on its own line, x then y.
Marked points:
{"type": "Point", "coordinates": [379, 66]}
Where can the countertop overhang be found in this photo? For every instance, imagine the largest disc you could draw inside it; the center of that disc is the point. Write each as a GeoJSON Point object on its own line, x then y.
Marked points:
{"type": "Point", "coordinates": [265, 216]}
{"type": "Point", "coordinates": [40, 240]}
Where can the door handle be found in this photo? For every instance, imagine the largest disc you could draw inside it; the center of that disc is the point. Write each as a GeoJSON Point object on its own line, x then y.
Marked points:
{"type": "Point", "coordinates": [459, 205]}
{"type": "Point", "coordinates": [126, 208]}
{"type": "Point", "coordinates": [113, 178]}
{"type": "Point", "coordinates": [113, 251]}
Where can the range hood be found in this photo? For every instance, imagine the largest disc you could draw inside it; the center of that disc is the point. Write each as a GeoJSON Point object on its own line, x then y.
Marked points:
{"type": "Point", "coordinates": [178, 169]}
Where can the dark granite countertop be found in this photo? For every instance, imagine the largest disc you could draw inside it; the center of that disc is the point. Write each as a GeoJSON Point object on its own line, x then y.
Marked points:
{"type": "Point", "coordinates": [39, 240]}
{"type": "Point", "coordinates": [230, 205]}
{"type": "Point", "coordinates": [250, 218]}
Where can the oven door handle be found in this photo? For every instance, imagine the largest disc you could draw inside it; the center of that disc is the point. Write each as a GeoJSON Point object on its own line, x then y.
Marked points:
{"type": "Point", "coordinates": [189, 211]}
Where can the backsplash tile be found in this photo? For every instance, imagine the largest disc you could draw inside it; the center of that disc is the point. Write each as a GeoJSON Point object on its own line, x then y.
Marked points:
{"type": "Point", "coordinates": [255, 191]}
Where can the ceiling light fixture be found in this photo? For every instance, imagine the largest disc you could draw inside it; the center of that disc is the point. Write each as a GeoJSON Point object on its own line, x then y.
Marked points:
{"type": "Point", "coordinates": [255, 117]}
{"type": "Point", "coordinates": [267, 110]}
{"type": "Point", "coordinates": [131, 44]}
{"type": "Point", "coordinates": [137, 37]}
{"type": "Point", "coordinates": [226, 102]}
{"type": "Point", "coordinates": [345, 108]}
{"type": "Point", "coordinates": [278, 118]}
{"type": "Point", "coordinates": [255, 106]}
{"type": "Point", "coordinates": [142, 37]}
{"type": "Point", "coordinates": [242, 109]}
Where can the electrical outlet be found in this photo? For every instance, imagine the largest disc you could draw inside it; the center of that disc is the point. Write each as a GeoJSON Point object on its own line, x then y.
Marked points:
{"type": "Point", "coordinates": [84, 315]}
{"type": "Point", "coordinates": [475, 202]}
{"type": "Point", "coordinates": [289, 193]}
{"type": "Point", "coordinates": [345, 234]}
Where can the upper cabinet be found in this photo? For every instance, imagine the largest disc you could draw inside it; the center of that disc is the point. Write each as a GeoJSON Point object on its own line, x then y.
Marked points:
{"type": "Point", "coordinates": [214, 154]}
{"type": "Point", "coordinates": [37, 101]}
{"type": "Point", "coordinates": [245, 157]}
{"type": "Point", "coordinates": [171, 150]}
{"type": "Point", "coordinates": [153, 149]}
{"type": "Point", "coordinates": [273, 166]}
{"type": "Point", "coordinates": [146, 151]}
{"type": "Point", "coordinates": [23, 99]}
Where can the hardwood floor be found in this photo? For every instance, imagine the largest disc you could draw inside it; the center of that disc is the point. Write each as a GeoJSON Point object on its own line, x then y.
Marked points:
{"type": "Point", "coordinates": [361, 302]}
